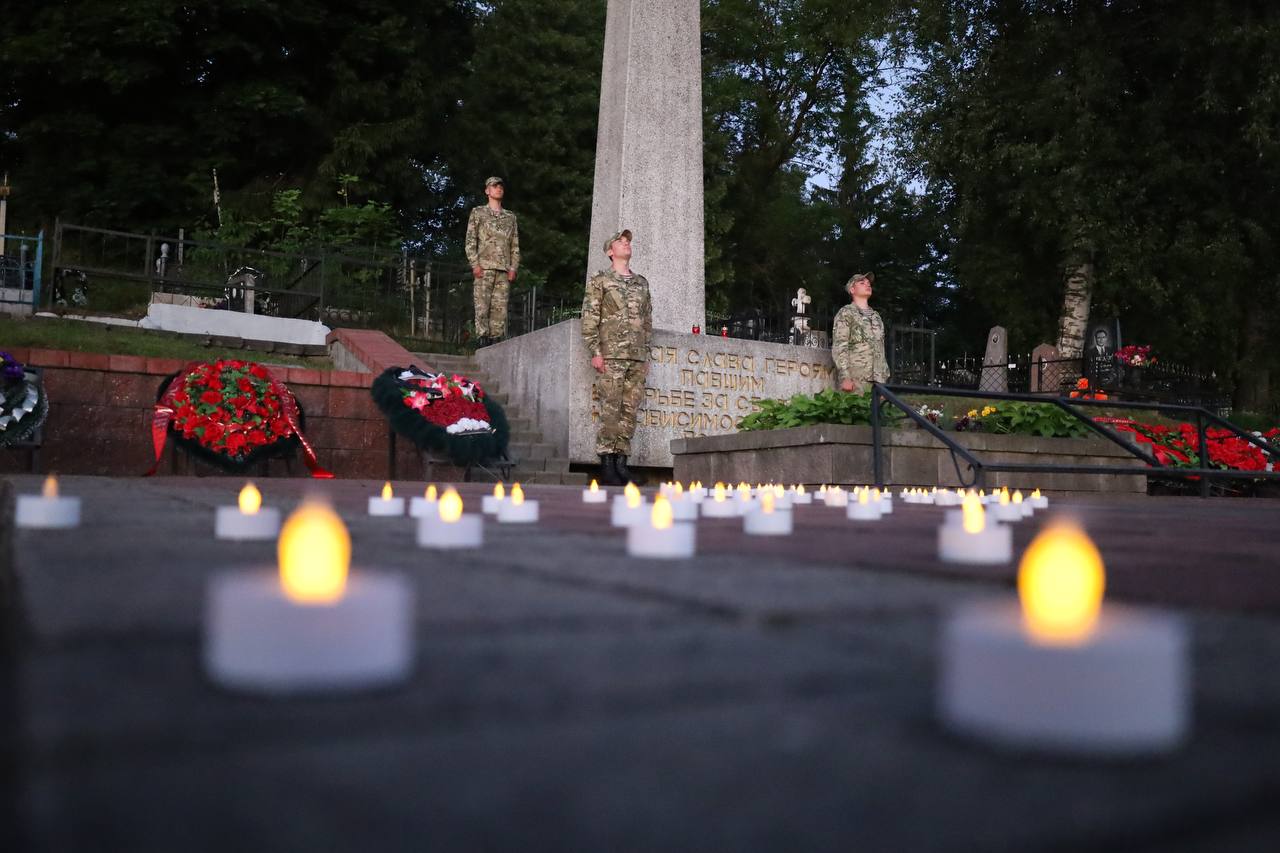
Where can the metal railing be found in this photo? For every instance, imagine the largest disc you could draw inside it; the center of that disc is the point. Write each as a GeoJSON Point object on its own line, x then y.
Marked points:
{"type": "Point", "coordinates": [884, 393]}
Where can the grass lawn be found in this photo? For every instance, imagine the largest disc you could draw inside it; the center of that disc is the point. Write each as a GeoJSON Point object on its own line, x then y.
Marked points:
{"type": "Point", "coordinates": [80, 336]}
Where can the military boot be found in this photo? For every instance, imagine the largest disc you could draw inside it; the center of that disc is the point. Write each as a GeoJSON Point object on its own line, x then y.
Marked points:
{"type": "Point", "coordinates": [609, 472]}
{"type": "Point", "coordinates": [627, 475]}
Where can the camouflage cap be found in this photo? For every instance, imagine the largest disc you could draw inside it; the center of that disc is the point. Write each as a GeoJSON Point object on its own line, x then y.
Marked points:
{"type": "Point", "coordinates": [859, 276]}
{"type": "Point", "coordinates": [494, 181]}
{"type": "Point", "coordinates": [617, 235]}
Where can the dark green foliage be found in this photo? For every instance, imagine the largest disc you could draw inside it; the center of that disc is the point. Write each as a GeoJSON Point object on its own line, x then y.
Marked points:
{"type": "Point", "coordinates": [1039, 419]}
{"type": "Point", "coordinates": [825, 407]}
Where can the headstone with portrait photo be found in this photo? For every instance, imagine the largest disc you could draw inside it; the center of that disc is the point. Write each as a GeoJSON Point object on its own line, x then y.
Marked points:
{"type": "Point", "coordinates": [1101, 342]}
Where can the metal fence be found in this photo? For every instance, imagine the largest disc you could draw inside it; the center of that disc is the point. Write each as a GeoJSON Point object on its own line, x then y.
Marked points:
{"type": "Point", "coordinates": [21, 263]}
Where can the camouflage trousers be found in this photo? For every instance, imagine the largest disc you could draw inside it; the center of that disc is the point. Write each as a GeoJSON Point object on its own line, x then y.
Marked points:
{"type": "Point", "coordinates": [490, 294]}
{"type": "Point", "coordinates": [619, 393]}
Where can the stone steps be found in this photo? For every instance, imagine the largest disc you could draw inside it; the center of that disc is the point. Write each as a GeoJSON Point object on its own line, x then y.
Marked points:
{"type": "Point", "coordinates": [536, 461]}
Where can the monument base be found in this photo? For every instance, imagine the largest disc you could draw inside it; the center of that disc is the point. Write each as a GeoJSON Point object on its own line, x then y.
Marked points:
{"type": "Point", "coordinates": [697, 385]}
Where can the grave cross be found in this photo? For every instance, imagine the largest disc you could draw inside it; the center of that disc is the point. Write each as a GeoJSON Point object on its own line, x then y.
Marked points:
{"type": "Point", "coordinates": [801, 301]}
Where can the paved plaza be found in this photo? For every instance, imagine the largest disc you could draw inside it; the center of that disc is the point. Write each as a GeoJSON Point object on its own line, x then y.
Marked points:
{"type": "Point", "coordinates": [766, 695]}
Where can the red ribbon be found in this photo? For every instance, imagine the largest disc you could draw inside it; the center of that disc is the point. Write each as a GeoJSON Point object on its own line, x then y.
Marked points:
{"type": "Point", "coordinates": [165, 409]}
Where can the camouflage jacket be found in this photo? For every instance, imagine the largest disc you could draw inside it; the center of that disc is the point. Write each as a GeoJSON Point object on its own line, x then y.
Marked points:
{"type": "Point", "coordinates": [617, 317]}
{"type": "Point", "coordinates": [857, 347]}
{"type": "Point", "coordinates": [493, 242]}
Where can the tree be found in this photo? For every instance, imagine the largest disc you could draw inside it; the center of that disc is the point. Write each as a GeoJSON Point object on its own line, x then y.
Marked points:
{"type": "Point", "coordinates": [117, 114]}
{"type": "Point", "coordinates": [528, 115]}
{"type": "Point", "coordinates": [1085, 158]}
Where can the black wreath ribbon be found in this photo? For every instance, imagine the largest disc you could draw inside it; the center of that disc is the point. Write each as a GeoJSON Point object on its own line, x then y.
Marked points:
{"type": "Point", "coordinates": [461, 449]}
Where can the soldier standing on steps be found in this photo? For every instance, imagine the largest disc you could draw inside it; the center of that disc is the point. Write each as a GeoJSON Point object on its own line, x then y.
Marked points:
{"type": "Point", "coordinates": [617, 325]}
{"type": "Point", "coordinates": [493, 250]}
{"type": "Point", "coordinates": [857, 339]}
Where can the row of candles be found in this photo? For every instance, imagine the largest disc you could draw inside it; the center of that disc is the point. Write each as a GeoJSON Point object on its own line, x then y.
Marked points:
{"type": "Point", "coordinates": [1054, 671]}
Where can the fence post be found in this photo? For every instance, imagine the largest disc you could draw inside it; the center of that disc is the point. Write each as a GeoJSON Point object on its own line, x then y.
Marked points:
{"type": "Point", "coordinates": [36, 274]}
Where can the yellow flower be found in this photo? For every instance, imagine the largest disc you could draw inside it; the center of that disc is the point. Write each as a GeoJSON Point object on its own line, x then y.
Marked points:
{"type": "Point", "coordinates": [973, 413]}
{"type": "Point", "coordinates": [988, 410]}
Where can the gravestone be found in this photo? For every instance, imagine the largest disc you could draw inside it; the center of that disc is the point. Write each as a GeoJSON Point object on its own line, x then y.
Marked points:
{"type": "Point", "coordinates": [995, 364]}
{"type": "Point", "coordinates": [1099, 358]}
{"type": "Point", "coordinates": [1046, 371]}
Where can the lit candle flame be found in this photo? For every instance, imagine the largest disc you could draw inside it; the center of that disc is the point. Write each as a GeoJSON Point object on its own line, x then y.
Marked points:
{"type": "Point", "coordinates": [679, 490]}
{"type": "Point", "coordinates": [766, 503]}
{"type": "Point", "coordinates": [822, 489]}
{"type": "Point", "coordinates": [1060, 582]}
{"type": "Point", "coordinates": [875, 495]}
{"type": "Point", "coordinates": [1036, 493]}
{"type": "Point", "coordinates": [430, 494]}
{"type": "Point", "coordinates": [517, 495]}
{"type": "Point", "coordinates": [633, 495]}
{"type": "Point", "coordinates": [314, 551]}
{"type": "Point", "coordinates": [250, 499]}
{"type": "Point", "coordinates": [50, 488]}
{"type": "Point", "coordinates": [386, 491]}
{"type": "Point", "coordinates": [450, 507]}
{"type": "Point", "coordinates": [1017, 497]}
{"type": "Point", "coordinates": [975, 517]}
{"type": "Point", "coordinates": [719, 493]}
{"type": "Point", "coordinates": [864, 497]}
{"type": "Point", "coordinates": [800, 489]}
{"type": "Point", "coordinates": [595, 487]}
{"type": "Point", "coordinates": [779, 491]}
{"type": "Point", "coordinates": [498, 491]}
{"type": "Point", "coordinates": [660, 515]}
{"type": "Point", "coordinates": [1004, 498]}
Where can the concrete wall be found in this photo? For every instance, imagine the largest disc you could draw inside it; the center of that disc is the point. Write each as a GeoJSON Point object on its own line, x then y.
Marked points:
{"type": "Point", "coordinates": [838, 454]}
{"type": "Point", "coordinates": [697, 385]}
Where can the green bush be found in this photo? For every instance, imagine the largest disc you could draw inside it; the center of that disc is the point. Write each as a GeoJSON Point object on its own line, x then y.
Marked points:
{"type": "Point", "coordinates": [1042, 419]}
{"type": "Point", "coordinates": [825, 407]}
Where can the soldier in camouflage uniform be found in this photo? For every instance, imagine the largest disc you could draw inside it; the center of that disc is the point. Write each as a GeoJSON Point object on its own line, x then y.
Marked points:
{"type": "Point", "coordinates": [493, 250]}
{"type": "Point", "coordinates": [617, 324]}
{"type": "Point", "coordinates": [857, 339]}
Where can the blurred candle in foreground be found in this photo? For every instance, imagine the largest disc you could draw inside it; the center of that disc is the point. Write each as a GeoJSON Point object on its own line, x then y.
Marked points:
{"type": "Point", "coordinates": [313, 625]}
{"type": "Point", "coordinates": [1062, 672]}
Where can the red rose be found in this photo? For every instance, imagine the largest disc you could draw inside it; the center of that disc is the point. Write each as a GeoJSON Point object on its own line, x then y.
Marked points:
{"type": "Point", "coordinates": [235, 443]}
{"type": "Point", "coordinates": [213, 398]}
{"type": "Point", "coordinates": [256, 437]}
{"type": "Point", "coordinates": [259, 371]}
{"type": "Point", "coordinates": [245, 386]}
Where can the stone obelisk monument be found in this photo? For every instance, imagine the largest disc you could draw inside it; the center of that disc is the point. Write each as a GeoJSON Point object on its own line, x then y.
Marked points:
{"type": "Point", "coordinates": [649, 152]}
{"type": "Point", "coordinates": [649, 179]}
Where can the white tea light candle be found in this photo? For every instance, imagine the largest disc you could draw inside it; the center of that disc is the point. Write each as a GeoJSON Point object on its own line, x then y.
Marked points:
{"type": "Point", "coordinates": [314, 626]}
{"type": "Point", "coordinates": [719, 505]}
{"type": "Point", "coordinates": [1062, 673]}
{"type": "Point", "coordinates": [766, 519]}
{"type": "Point", "coordinates": [248, 520]}
{"type": "Point", "coordinates": [386, 504]}
{"type": "Point", "coordinates": [594, 494]}
{"type": "Point", "coordinates": [490, 504]}
{"type": "Point", "coordinates": [447, 528]}
{"type": "Point", "coordinates": [517, 510]}
{"type": "Point", "coordinates": [966, 537]}
{"type": "Point", "coordinates": [425, 505]}
{"type": "Point", "coordinates": [47, 510]}
{"type": "Point", "coordinates": [659, 536]}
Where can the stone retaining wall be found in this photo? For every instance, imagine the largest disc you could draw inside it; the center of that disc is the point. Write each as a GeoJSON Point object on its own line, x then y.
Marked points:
{"type": "Point", "coordinates": [100, 417]}
{"type": "Point", "coordinates": [830, 453]}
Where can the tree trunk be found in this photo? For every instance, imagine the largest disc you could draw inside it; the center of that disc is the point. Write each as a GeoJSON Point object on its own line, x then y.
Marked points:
{"type": "Point", "coordinates": [1074, 320]}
